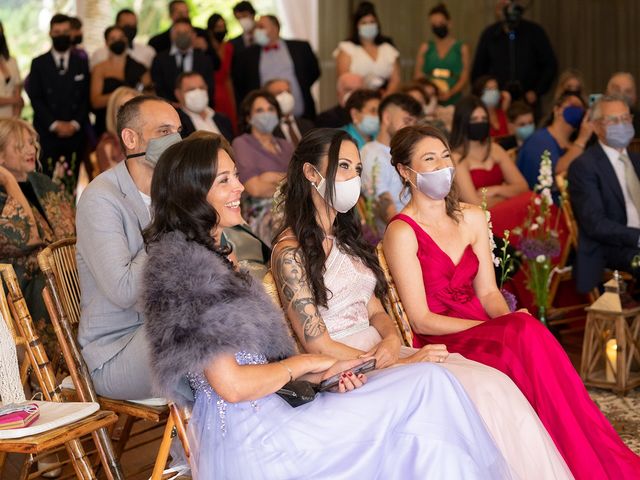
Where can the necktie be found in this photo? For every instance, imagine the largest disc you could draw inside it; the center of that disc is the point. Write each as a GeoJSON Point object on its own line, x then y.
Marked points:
{"type": "Point", "coordinates": [632, 181]}
{"type": "Point", "coordinates": [295, 139]}
{"type": "Point", "coordinates": [180, 58]}
{"type": "Point", "coordinates": [61, 66]}
{"type": "Point", "coordinates": [271, 47]}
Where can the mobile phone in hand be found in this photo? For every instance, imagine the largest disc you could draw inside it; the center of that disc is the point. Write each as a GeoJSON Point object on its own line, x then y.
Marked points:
{"type": "Point", "coordinates": [332, 381]}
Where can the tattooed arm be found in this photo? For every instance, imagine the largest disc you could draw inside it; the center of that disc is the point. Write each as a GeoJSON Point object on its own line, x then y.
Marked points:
{"type": "Point", "coordinates": [297, 299]}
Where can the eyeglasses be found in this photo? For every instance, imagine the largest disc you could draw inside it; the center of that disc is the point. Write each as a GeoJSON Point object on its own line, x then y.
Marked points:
{"type": "Point", "coordinates": [617, 120]}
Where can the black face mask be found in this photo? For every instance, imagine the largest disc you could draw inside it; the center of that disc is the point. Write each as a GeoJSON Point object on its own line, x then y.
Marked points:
{"type": "Point", "coordinates": [118, 47]}
{"type": "Point", "coordinates": [219, 36]}
{"type": "Point", "coordinates": [440, 31]}
{"type": "Point", "coordinates": [61, 43]}
{"type": "Point", "coordinates": [77, 40]}
{"type": "Point", "coordinates": [130, 32]}
{"type": "Point", "coordinates": [478, 131]}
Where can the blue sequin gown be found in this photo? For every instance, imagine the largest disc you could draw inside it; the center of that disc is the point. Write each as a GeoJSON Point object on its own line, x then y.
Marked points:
{"type": "Point", "coordinates": [408, 422]}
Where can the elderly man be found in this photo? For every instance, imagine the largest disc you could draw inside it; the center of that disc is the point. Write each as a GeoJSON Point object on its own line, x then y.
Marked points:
{"type": "Point", "coordinates": [272, 57]}
{"type": "Point", "coordinates": [181, 57]}
{"type": "Point", "coordinates": [291, 128]}
{"type": "Point", "coordinates": [604, 187]}
{"type": "Point", "coordinates": [112, 212]}
{"type": "Point", "coordinates": [338, 116]}
{"type": "Point", "coordinates": [193, 107]}
{"type": "Point", "coordinates": [623, 83]}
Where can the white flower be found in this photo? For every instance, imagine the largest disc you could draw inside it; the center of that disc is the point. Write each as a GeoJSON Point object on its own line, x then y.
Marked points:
{"type": "Point", "coordinates": [537, 201]}
{"type": "Point", "coordinates": [534, 227]}
{"type": "Point", "coordinates": [539, 220]}
{"type": "Point", "coordinates": [541, 258]}
{"type": "Point", "coordinates": [496, 260]}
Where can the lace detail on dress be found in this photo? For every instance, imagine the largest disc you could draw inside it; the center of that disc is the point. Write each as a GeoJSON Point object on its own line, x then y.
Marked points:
{"type": "Point", "coordinates": [200, 386]}
{"type": "Point", "coordinates": [350, 284]}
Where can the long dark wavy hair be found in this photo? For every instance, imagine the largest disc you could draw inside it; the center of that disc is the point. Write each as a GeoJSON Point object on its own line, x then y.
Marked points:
{"type": "Point", "coordinates": [459, 138]}
{"type": "Point", "coordinates": [181, 181]}
{"type": "Point", "coordinates": [366, 8]}
{"type": "Point", "coordinates": [300, 214]}
{"type": "Point", "coordinates": [403, 145]}
{"type": "Point", "coordinates": [247, 104]}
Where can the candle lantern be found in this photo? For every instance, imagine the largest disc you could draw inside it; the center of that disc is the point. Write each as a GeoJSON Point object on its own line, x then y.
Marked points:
{"type": "Point", "coordinates": [611, 347]}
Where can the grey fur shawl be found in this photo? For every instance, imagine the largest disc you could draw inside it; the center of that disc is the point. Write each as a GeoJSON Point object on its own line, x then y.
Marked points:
{"type": "Point", "coordinates": [196, 308]}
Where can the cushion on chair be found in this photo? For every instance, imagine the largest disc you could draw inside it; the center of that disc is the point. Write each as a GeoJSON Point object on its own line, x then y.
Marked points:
{"type": "Point", "coordinates": [67, 384]}
{"type": "Point", "coordinates": [53, 415]}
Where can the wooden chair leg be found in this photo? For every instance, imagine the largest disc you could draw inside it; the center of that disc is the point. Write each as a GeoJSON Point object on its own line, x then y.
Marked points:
{"type": "Point", "coordinates": [110, 462]}
{"type": "Point", "coordinates": [26, 466]}
{"type": "Point", "coordinates": [124, 435]}
{"type": "Point", "coordinates": [80, 461]}
{"type": "Point", "coordinates": [163, 451]}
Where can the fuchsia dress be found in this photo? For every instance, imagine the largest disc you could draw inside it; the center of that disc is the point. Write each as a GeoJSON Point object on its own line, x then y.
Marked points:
{"type": "Point", "coordinates": [520, 346]}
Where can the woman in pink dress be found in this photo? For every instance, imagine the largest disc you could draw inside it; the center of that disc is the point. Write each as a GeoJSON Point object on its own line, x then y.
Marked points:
{"type": "Point", "coordinates": [224, 101]}
{"type": "Point", "coordinates": [438, 253]}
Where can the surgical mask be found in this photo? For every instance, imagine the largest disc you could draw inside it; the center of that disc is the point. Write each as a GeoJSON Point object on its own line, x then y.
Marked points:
{"type": "Point", "coordinates": [525, 131]}
{"type": "Point", "coordinates": [265, 122]}
{"type": "Point", "coordinates": [345, 195]}
{"type": "Point", "coordinates": [478, 131]}
{"type": "Point", "coordinates": [260, 37]}
{"type": "Point", "coordinates": [118, 47]}
{"type": "Point", "coordinates": [573, 115]}
{"type": "Point", "coordinates": [286, 102]}
{"type": "Point", "coordinates": [61, 43]}
{"type": "Point", "coordinates": [219, 36]}
{"type": "Point", "coordinates": [370, 125]}
{"type": "Point", "coordinates": [156, 147]}
{"type": "Point", "coordinates": [196, 100]}
{"type": "Point", "coordinates": [130, 32]}
{"type": "Point", "coordinates": [183, 41]}
{"type": "Point", "coordinates": [440, 31]}
{"type": "Point", "coordinates": [491, 97]}
{"type": "Point", "coordinates": [247, 24]}
{"type": "Point", "coordinates": [77, 40]}
{"type": "Point", "coordinates": [620, 135]}
{"type": "Point", "coordinates": [435, 185]}
{"type": "Point", "coordinates": [368, 31]}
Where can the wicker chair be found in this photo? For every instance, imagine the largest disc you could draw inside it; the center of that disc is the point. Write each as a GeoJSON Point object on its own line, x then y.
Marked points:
{"type": "Point", "coordinates": [68, 432]}
{"type": "Point", "coordinates": [62, 299]}
{"type": "Point", "coordinates": [269, 284]}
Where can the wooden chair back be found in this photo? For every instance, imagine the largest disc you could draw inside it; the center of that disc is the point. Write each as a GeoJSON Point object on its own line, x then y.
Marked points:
{"type": "Point", "coordinates": [392, 303]}
{"type": "Point", "coordinates": [269, 284]}
{"type": "Point", "coordinates": [634, 146]}
{"type": "Point", "coordinates": [567, 209]}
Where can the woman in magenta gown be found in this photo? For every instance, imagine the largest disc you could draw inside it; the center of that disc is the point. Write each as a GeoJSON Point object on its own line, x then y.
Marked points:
{"type": "Point", "coordinates": [224, 101]}
{"type": "Point", "coordinates": [439, 255]}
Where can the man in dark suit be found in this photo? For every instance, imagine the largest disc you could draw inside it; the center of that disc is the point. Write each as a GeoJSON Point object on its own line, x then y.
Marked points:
{"type": "Point", "coordinates": [623, 83]}
{"type": "Point", "coordinates": [178, 9]}
{"type": "Point", "coordinates": [291, 128]}
{"type": "Point", "coordinates": [194, 111]}
{"type": "Point", "coordinates": [181, 57]}
{"type": "Point", "coordinates": [59, 92]}
{"type": "Point", "coordinates": [273, 57]}
{"type": "Point", "coordinates": [338, 116]}
{"type": "Point", "coordinates": [245, 14]}
{"type": "Point", "coordinates": [604, 187]}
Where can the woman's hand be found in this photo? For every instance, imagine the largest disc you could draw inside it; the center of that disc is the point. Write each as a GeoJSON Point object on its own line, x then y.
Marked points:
{"type": "Point", "coordinates": [6, 177]}
{"type": "Point", "coordinates": [349, 380]}
{"type": "Point", "coordinates": [386, 352]}
{"type": "Point", "coordinates": [586, 130]}
{"type": "Point", "coordinates": [436, 353]}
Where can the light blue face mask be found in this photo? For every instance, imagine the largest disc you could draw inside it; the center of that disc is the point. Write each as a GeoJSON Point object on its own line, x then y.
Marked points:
{"type": "Point", "coordinates": [368, 31]}
{"type": "Point", "coordinates": [620, 135]}
{"type": "Point", "coordinates": [370, 125]}
{"type": "Point", "coordinates": [525, 131]}
{"type": "Point", "coordinates": [491, 97]}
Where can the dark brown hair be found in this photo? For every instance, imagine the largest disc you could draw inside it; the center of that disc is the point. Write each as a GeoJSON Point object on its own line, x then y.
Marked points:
{"type": "Point", "coordinates": [459, 138]}
{"type": "Point", "coordinates": [403, 146]}
{"type": "Point", "coordinates": [247, 105]}
{"type": "Point", "coordinates": [440, 8]}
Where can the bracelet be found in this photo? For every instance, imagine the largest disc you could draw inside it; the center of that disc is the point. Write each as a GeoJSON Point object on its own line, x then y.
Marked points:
{"type": "Point", "coordinates": [288, 370]}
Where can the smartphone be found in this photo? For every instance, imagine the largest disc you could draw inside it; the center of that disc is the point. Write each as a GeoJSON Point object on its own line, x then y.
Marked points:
{"type": "Point", "coordinates": [593, 98]}
{"type": "Point", "coordinates": [332, 382]}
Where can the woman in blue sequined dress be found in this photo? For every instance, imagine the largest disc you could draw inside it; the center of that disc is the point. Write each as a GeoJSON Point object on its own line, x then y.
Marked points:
{"type": "Point", "coordinates": [212, 324]}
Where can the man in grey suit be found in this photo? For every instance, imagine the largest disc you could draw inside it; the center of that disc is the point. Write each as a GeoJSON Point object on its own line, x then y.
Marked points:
{"type": "Point", "coordinates": [112, 213]}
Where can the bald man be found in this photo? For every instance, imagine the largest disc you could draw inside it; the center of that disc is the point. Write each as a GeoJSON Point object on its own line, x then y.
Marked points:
{"type": "Point", "coordinates": [623, 84]}
{"type": "Point", "coordinates": [338, 116]}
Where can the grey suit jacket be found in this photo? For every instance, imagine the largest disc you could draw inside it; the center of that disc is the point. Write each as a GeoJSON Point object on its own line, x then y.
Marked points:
{"type": "Point", "coordinates": [111, 258]}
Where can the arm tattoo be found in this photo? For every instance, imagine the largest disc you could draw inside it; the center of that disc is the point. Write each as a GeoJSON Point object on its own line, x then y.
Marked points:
{"type": "Point", "coordinates": [292, 282]}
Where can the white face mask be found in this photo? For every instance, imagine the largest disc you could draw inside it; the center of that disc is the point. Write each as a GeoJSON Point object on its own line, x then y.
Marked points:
{"type": "Point", "coordinates": [436, 184]}
{"type": "Point", "coordinates": [286, 102]}
{"type": "Point", "coordinates": [260, 37]}
{"type": "Point", "coordinates": [196, 100]}
{"type": "Point", "coordinates": [247, 24]}
{"type": "Point", "coordinates": [345, 195]}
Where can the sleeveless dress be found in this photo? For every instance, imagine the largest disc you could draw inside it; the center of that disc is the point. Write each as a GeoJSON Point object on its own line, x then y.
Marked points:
{"type": "Point", "coordinates": [223, 96]}
{"type": "Point", "coordinates": [375, 72]}
{"type": "Point", "coordinates": [512, 422]}
{"type": "Point", "coordinates": [444, 71]}
{"type": "Point", "coordinates": [405, 423]}
{"type": "Point", "coordinates": [520, 346]}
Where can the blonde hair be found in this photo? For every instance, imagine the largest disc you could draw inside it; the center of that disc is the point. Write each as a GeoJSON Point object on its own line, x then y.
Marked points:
{"type": "Point", "coordinates": [16, 128]}
{"type": "Point", "coordinates": [114, 104]}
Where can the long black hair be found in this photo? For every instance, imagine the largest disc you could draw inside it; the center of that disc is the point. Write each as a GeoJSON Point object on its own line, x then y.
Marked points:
{"type": "Point", "coordinates": [364, 9]}
{"type": "Point", "coordinates": [459, 138]}
{"type": "Point", "coordinates": [247, 104]}
{"type": "Point", "coordinates": [4, 47]}
{"type": "Point", "coordinates": [181, 181]}
{"type": "Point", "coordinates": [300, 213]}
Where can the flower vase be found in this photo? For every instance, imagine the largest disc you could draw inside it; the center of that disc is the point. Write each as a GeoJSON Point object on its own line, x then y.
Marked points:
{"type": "Point", "coordinates": [542, 315]}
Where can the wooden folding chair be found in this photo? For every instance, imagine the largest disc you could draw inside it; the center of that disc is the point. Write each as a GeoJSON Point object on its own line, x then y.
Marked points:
{"type": "Point", "coordinates": [62, 299]}
{"type": "Point", "coordinates": [269, 284]}
{"type": "Point", "coordinates": [176, 425]}
{"type": "Point", "coordinates": [16, 314]}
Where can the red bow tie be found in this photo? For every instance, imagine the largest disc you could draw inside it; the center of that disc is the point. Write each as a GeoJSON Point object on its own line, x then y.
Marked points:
{"type": "Point", "coordinates": [271, 47]}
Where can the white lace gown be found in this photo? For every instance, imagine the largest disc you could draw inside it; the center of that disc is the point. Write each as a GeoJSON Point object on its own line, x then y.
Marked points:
{"type": "Point", "coordinates": [512, 422]}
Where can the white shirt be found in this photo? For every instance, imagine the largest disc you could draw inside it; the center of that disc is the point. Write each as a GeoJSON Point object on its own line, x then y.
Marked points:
{"type": "Point", "coordinates": [207, 124]}
{"type": "Point", "coordinates": [140, 52]}
{"type": "Point", "coordinates": [146, 199]}
{"type": "Point", "coordinates": [633, 216]}
{"type": "Point", "coordinates": [379, 176]}
{"type": "Point", "coordinates": [285, 128]}
{"type": "Point", "coordinates": [65, 59]}
{"type": "Point", "coordinates": [375, 72]}
{"type": "Point", "coordinates": [187, 58]}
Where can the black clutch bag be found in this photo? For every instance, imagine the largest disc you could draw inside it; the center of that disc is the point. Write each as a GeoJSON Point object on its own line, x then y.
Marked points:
{"type": "Point", "coordinates": [298, 392]}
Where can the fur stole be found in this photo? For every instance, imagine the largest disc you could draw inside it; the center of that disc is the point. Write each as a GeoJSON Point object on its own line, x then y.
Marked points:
{"type": "Point", "coordinates": [196, 308]}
